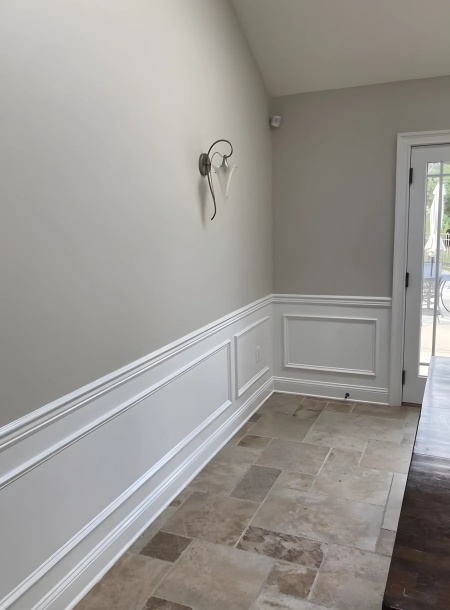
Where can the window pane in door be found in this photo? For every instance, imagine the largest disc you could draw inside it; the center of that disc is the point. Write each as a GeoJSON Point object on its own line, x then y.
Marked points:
{"type": "Point", "coordinates": [434, 168]}
{"type": "Point", "coordinates": [435, 321]}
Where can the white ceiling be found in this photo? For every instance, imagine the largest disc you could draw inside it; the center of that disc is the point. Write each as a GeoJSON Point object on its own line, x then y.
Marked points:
{"type": "Point", "coordinates": [311, 45]}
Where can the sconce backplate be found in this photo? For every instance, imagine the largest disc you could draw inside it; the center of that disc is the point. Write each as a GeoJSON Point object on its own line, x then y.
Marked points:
{"type": "Point", "coordinates": [204, 164]}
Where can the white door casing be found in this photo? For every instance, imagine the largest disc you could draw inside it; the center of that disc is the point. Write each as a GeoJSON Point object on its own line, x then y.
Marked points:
{"type": "Point", "coordinates": [405, 144]}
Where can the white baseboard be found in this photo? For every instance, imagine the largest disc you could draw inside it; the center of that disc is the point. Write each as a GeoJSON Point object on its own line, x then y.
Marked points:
{"type": "Point", "coordinates": [96, 467]}
{"type": "Point", "coordinates": [331, 390]}
{"type": "Point", "coordinates": [329, 346]}
{"type": "Point", "coordinates": [93, 566]}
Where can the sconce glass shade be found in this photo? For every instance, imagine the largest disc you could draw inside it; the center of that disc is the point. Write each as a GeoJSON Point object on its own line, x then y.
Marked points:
{"type": "Point", "coordinates": [224, 173]}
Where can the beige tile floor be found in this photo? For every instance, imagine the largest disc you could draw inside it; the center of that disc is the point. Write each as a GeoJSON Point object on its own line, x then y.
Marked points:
{"type": "Point", "coordinates": [297, 512]}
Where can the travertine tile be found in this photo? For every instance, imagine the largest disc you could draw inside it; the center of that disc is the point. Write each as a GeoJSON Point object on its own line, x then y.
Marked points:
{"type": "Point", "coordinates": [127, 585]}
{"type": "Point", "coordinates": [268, 600]}
{"type": "Point", "coordinates": [350, 579]}
{"type": "Point", "coordinates": [290, 579]}
{"type": "Point", "coordinates": [412, 420]}
{"type": "Point", "coordinates": [254, 442]}
{"type": "Point", "coordinates": [225, 470]}
{"type": "Point", "coordinates": [212, 517]}
{"type": "Point", "coordinates": [156, 603]}
{"type": "Point", "coordinates": [256, 483]}
{"type": "Point", "coordinates": [153, 529]}
{"type": "Point", "coordinates": [381, 411]}
{"type": "Point", "coordinates": [354, 483]}
{"type": "Point", "coordinates": [254, 418]}
{"type": "Point", "coordinates": [214, 577]}
{"type": "Point", "coordinates": [295, 480]}
{"type": "Point", "coordinates": [394, 504]}
{"type": "Point", "coordinates": [339, 441]}
{"type": "Point", "coordinates": [178, 501]}
{"type": "Point", "coordinates": [298, 457]}
{"type": "Point", "coordinates": [387, 456]}
{"type": "Point", "coordinates": [285, 404]}
{"type": "Point", "coordinates": [306, 414]}
{"type": "Point", "coordinates": [386, 542]}
{"type": "Point", "coordinates": [165, 546]}
{"type": "Point", "coordinates": [409, 438]}
{"type": "Point", "coordinates": [320, 517]}
{"type": "Point", "coordinates": [283, 427]}
{"type": "Point", "coordinates": [340, 407]}
{"type": "Point", "coordinates": [344, 456]}
{"type": "Point", "coordinates": [316, 404]}
{"type": "Point", "coordinates": [285, 547]}
{"type": "Point", "coordinates": [367, 427]}
{"type": "Point", "coordinates": [278, 555]}
{"type": "Point", "coordinates": [234, 440]}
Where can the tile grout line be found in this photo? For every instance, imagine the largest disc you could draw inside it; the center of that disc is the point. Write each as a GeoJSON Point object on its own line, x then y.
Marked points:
{"type": "Point", "coordinates": [323, 464]}
{"type": "Point", "coordinates": [152, 594]}
{"type": "Point", "coordinates": [263, 585]}
{"type": "Point", "coordinates": [248, 469]}
{"type": "Point", "coordinates": [274, 560]}
{"type": "Point", "coordinates": [363, 453]}
{"type": "Point", "coordinates": [387, 502]}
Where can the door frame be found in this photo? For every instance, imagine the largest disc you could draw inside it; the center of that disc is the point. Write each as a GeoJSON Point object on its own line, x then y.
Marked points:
{"type": "Point", "coordinates": [405, 143]}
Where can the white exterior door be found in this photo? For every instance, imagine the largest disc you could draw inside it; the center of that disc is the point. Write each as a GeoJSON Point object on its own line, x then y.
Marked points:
{"type": "Point", "coordinates": [427, 317]}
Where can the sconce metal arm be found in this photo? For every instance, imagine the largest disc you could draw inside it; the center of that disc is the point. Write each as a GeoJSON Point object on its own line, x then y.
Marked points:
{"type": "Point", "coordinates": [204, 165]}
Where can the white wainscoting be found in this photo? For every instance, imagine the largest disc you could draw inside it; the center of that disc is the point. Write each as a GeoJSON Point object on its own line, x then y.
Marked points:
{"type": "Point", "coordinates": [253, 348]}
{"type": "Point", "coordinates": [82, 477]}
{"type": "Point", "coordinates": [329, 346]}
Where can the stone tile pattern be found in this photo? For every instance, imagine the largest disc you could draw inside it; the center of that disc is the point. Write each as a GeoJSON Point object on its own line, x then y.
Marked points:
{"type": "Point", "coordinates": [297, 512]}
{"type": "Point", "coordinates": [167, 547]}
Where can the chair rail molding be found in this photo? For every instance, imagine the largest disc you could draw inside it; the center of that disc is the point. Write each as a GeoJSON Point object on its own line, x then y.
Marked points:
{"type": "Point", "coordinates": [332, 300]}
{"type": "Point", "coordinates": [330, 346]}
{"type": "Point", "coordinates": [405, 143]}
{"type": "Point", "coordinates": [101, 463]}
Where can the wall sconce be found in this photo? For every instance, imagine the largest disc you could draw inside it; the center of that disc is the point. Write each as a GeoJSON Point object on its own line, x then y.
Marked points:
{"type": "Point", "coordinates": [223, 171]}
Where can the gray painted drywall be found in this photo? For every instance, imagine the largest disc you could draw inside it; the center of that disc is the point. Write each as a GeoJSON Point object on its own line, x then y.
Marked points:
{"type": "Point", "coordinates": [108, 252]}
{"type": "Point", "coordinates": [334, 162]}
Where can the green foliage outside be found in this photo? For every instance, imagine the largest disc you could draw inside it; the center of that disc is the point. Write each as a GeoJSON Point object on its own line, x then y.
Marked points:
{"type": "Point", "coordinates": [433, 181]}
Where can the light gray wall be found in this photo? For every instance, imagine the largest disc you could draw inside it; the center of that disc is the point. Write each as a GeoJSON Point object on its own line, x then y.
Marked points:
{"type": "Point", "coordinates": [108, 252]}
{"type": "Point", "coordinates": [334, 161]}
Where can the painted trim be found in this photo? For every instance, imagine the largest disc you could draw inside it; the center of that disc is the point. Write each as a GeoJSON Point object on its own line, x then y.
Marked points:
{"type": "Point", "coordinates": [332, 390]}
{"type": "Point", "coordinates": [253, 380]}
{"type": "Point", "coordinates": [405, 143]}
{"type": "Point", "coordinates": [145, 505]}
{"type": "Point", "coordinates": [48, 414]}
{"type": "Point", "coordinates": [332, 300]}
{"type": "Point", "coordinates": [119, 537]}
{"type": "Point", "coordinates": [237, 336]}
{"type": "Point", "coordinates": [101, 421]}
{"type": "Point", "coordinates": [31, 423]}
{"type": "Point", "coordinates": [311, 367]}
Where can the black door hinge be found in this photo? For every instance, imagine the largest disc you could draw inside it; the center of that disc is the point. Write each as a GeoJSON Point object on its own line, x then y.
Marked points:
{"type": "Point", "coordinates": [403, 377]}
{"type": "Point", "coordinates": [410, 175]}
{"type": "Point", "coordinates": [407, 280]}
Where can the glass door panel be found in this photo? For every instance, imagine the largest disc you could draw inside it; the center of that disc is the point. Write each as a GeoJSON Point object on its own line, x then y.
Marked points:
{"type": "Point", "coordinates": [427, 320]}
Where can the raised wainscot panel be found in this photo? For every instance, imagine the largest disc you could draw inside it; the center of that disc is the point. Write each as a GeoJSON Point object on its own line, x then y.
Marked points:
{"type": "Point", "coordinates": [41, 510]}
{"type": "Point", "coordinates": [253, 357]}
{"type": "Point", "coordinates": [334, 344]}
